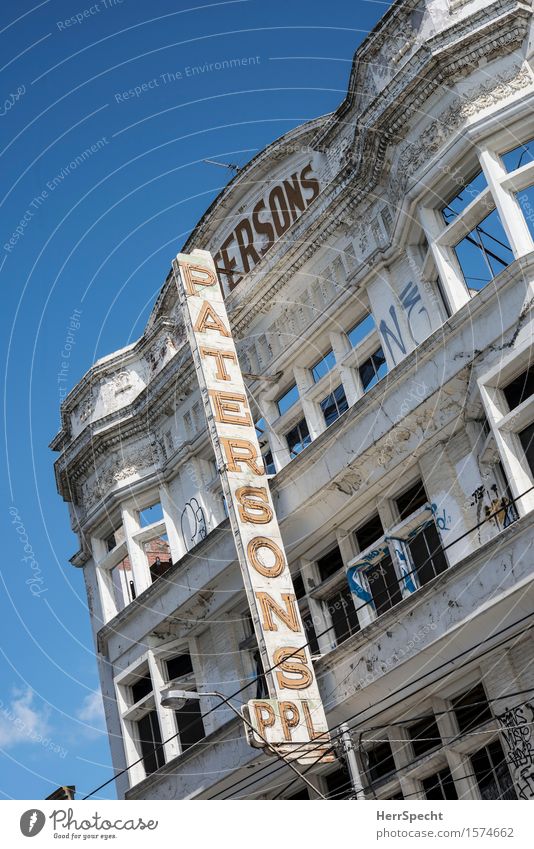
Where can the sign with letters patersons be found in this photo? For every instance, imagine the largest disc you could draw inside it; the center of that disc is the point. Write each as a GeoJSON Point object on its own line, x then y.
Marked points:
{"type": "Point", "coordinates": [292, 719]}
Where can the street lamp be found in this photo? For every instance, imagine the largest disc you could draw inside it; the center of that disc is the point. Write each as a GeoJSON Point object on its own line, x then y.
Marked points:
{"type": "Point", "coordinates": [173, 698]}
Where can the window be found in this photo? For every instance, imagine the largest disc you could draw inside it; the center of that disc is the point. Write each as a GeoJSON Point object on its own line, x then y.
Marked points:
{"type": "Point", "coordinates": [427, 554]}
{"type": "Point", "coordinates": [309, 630]}
{"type": "Point", "coordinates": [298, 438]}
{"type": "Point", "coordinates": [149, 739]}
{"type": "Point", "coordinates": [141, 687]}
{"type": "Point", "coordinates": [189, 722]}
{"type": "Point", "coordinates": [300, 794]}
{"type": "Point", "coordinates": [491, 772]}
{"type": "Point", "coordinates": [343, 614]}
{"type": "Point", "coordinates": [380, 762]}
{"type": "Point", "coordinates": [123, 583]}
{"type": "Point", "coordinates": [373, 369]}
{"type": "Point", "coordinates": [526, 438]}
{"type": "Point", "coordinates": [361, 330]}
{"type": "Point", "coordinates": [519, 389]}
{"type": "Point", "coordinates": [158, 555]}
{"type": "Point", "coordinates": [287, 399]}
{"type": "Point", "coordinates": [461, 201]}
{"type": "Point", "coordinates": [383, 585]}
{"type": "Point", "coordinates": [518, 156]}
{"type": "Point", "coordinates": [424, 735]}
{"type": "Point", "coordinates": [425, 548]}
{"type": "Point", "coordinates": [440, 786]}
{"type": "Point", "coordinates": [411, 500]}
{"type": "Point", "coordinates": [268, 463]}
{"type": "Point", "coordinates": [323, 366]}
{"type": "Point", "coordinates": [368, 533]}
{"type": "Point", "coordinates": [484, 252]}
{"type": "Point", "coordinates": [338, 784]}
{"type": "Point", "coordinates": [334, 405]}
{"type": "Point", "coordinates": [330, 563]}
{"type": "Point", "coordinates": [179, 666]}
{"type": "Point", "coordinates": [471, 708]}
{"type": "Point", "coordinates": [151, 514]}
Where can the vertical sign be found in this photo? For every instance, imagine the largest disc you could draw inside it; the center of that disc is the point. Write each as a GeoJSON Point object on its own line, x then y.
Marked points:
{"type": "Point", "coordinates": [292, 720]}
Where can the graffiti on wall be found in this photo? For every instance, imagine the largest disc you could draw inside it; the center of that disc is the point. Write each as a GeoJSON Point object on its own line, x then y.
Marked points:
{"type": "Point", "coordinates": [490, 505]}
{"type": "Point", "coordinates": [417, 319]}
{"type": "Point", "coordinates": [516, 724]}
{"type": "Point", "coordinates": [192, 524]}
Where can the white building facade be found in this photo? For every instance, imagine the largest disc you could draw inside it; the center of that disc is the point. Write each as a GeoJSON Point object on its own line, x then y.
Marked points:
{"type": "Point", "coordinates": [378, 271]}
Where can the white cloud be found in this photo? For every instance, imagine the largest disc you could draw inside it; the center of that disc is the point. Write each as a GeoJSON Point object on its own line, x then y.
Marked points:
{"type": "Point", "coordinates": [21, 722]}
{"type": "Point", "coordinates": [92, 709]}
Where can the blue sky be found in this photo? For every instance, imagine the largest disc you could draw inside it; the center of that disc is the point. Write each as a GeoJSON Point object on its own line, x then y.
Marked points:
{"type": "Point", "coordinates": [100, 241]}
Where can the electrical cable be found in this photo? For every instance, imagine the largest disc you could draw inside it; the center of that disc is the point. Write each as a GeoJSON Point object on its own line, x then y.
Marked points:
{"type": "Point", "coordinates": [322, 633]}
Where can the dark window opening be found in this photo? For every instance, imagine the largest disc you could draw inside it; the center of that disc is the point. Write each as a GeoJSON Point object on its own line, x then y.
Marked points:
{"type": "Point", "coordinates": [373, 369]}
{"type": "Point", "coordinates": [298, 438]}
{"type": "Point", "coordinates": [424, 735]}
{"type": "Point", "coordinates": [427, 554]}
{"type": "Point", "coordinates": [334, 405]}
{"type": "Point", "coordinates": [298, 586]}
{"type": "Point", "coordinates": [338, 784]}
{"type": "Point", "coordinates": [368, 533]}
{"type": "Point", "coordinates": [492, 773]}
{"type": "Point", "coordinates": [411, 500]}
{"type": "Point", "coordinates": [519, 389]}
{"type": "Point", "coordinates": [190, 724]}
{"type": "Point", "coordinates": [383, 585]}
{"type": "Point", "coordinates": [300, 794]}
{"type": "Point", "coordinates": [179, 666]}
{"type": "Point", "coordinates": [309, 630]}
{"type": "Point", "coordinates": [330, 563]}
{"type": "Point", "coordinates": [471, 708]}
{"type": "Point", "coordinates": [141, 688]}
{"type": "Point", "coordinates": [149, 736]}
{"type": "Point", "coordinates": [268, 463]}
{"type": "Point", "coordinates": [440, 786]}
{"type": "Point", "coordinates": [380, 762]}
{"type": "Point", "coordinates": [526, 438]}
{"type": "Point", "coordinates": [343, 614]}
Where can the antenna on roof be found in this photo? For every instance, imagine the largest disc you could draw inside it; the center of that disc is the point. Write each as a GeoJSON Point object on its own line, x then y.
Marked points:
{"type": "Point", "coordinates": [222, 164]}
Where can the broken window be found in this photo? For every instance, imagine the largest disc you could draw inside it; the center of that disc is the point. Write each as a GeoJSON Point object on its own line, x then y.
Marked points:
{"type": "Point", "coordinates": [518, 156]}
{"type": "Point", "coordinates": [471, 708]}
{"type": "Point", "coordinates": [189, 722]}
{"type": "Point", "coordinates": [464, 197]}
{"type": "Point", "coordinates": [411, 500]}
{"type": "Point", "coordinates": [298, 438]}
{"type": "Point", "coordinates": [380, 761]}
{"type": "Point", "coordinates": [520, 388]}
{"type": "Point", "coordinates": [330, 563]}
{"type": "Point", "coordinates": [158, 555]}
{"type": "Point", "coordinates": [424, 735]}
{"type": "Point", "coordinates": [338, 784]}
{"type": "Point", "coordinates": [491, 772]}
{"type": "Point", "coordinates": [440, 785]}
{"type": "Point", "coordinates": [484, 252]}
{"type": "Point", "coordinates": [369, 532]}
{"type": "Point", "coordinates": [361, 329]}
{"type": "Point", "coordinates": [151, 515]}
{"type": "Point", "coordinates": [268, 462]}
{"type": "Point", "coordinates": [334, 405]}
{"type": "Point", "coordinates": [323, 366]}
{"type": "Point", "coordinates": [123, 583]}
{"type": "Point", "coordinates": [285, 401]}
{"type": "Point", "coordinates": [373, 369]}
{"type": "Point", "coordinates": [424, 547]}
